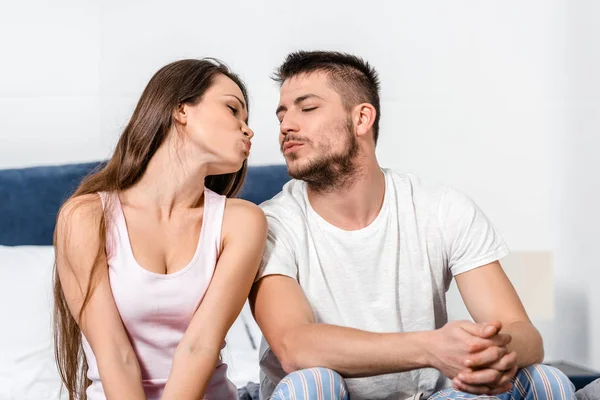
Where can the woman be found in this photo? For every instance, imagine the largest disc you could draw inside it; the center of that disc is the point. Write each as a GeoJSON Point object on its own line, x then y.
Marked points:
{"type": "Point", "coordinates": [154, 259]}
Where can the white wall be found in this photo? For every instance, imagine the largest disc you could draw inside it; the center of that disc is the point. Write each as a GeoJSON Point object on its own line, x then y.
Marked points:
{"type": "Point", "coordinates": [579, 213]}
{"type": "Point", "coordinates": [493, 97]}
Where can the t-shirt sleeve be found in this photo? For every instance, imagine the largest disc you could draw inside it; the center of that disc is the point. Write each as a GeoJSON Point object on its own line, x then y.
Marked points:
{"type": "Point", "coordinates": [470, 239]}
{"type": "Point", "coordinates": [278, 257]}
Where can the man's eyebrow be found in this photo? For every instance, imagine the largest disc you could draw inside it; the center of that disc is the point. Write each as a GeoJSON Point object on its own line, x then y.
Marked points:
{"type": "Point", "coordinates": [306, 97]}
{"type": "Point", "coordinates": [280, 109]}
{"type": "Point", "coordinates": [297, 101]}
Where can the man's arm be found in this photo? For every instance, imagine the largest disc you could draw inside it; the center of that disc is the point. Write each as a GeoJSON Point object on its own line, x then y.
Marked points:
{"type": "Point", "coordinates": [489, 296]}
{"type": "Point", "coordinates": [473, 246]}
{"type": "Point", "coordinates": [286, 319]}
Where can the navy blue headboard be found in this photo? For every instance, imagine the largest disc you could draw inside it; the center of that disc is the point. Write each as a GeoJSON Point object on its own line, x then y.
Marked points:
{"type": "Point", "coordinates": [31, 197]}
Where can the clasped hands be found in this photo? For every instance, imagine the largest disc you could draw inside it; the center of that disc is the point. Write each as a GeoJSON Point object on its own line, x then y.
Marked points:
{"type": "Point", "coordinates": [475, 356]}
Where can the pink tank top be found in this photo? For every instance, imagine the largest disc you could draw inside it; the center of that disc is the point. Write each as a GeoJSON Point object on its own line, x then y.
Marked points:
{"type": "Point", "coordinates": [156, 309]}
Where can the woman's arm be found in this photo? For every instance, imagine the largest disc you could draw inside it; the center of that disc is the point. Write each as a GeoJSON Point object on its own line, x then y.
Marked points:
{"type": "Point", "coordinates": [244, 235]}
{"type": "Point", "coordinates": [77, 249]}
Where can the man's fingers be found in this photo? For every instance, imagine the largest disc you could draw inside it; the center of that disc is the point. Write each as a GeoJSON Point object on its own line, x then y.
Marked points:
{"type": "Point", "coordinates": [491, 329]}
{"type": "Point", "coordinates": [482, 330]}
{"type": "Point", "coordinates": [488, 381]}
{"type": "Point", "coordinates": [508, 376]}
{"type": "Point", "coordinates": [474, 344]}
{"type": "Point", "coordinates": [483, 335]}
{"type": "Point", "coordinates": [488, 357]}
{"type": "Point", "coordinates": [488, 377]}
{"type": "Point", "coordinates": [501, 339]}
{"type": "Point", "coordinates": [481, 389]}
{"type": "Point", "coordinates": [506, 363]}
{"type": "Point", "coordinates": [463, 387]}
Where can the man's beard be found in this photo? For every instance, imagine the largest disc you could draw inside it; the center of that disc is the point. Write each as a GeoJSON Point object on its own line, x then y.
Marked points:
{"type": "Point", "coordinates": [328, 172]}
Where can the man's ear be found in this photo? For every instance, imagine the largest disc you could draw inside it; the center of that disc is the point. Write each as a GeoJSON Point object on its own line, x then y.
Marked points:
{"type": "Point", "coordinates": [364, 118]}
{"type": "Point", "coordinates": [180, 113]}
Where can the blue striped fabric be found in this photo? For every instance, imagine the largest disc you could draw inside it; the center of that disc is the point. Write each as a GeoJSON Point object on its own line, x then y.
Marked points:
{"type": "Point", "coordinates": [536, 382]}
{"type": "Point", "coordinates": [312, 383]}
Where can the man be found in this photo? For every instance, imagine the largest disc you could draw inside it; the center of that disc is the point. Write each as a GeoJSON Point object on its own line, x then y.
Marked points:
{"type": "Point", "coordinates": [350, 296]}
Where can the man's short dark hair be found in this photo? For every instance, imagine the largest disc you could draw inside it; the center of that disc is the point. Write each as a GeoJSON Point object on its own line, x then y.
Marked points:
{"type": "Point", "coordinates": [352, 77]}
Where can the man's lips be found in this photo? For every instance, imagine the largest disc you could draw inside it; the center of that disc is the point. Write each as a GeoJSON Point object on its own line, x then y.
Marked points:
{"type": "Point", "coordinates": [291, 146]}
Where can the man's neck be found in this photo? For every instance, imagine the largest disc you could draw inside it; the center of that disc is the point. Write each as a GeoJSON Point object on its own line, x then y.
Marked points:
{"type": "Point", "coordinates": [355, 205]}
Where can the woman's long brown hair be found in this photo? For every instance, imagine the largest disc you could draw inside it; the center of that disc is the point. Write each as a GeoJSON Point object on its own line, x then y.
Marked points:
{"type": "Point", "coordinates": [183, 81]}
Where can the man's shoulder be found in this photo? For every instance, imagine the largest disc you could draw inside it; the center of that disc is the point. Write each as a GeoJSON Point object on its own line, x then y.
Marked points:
{"type": "Point", "coordinates": [432, 197]}
{"type": "Point", "coordinates": [291, 199]}
{"type": "Point", "coordinates": [417, 189]}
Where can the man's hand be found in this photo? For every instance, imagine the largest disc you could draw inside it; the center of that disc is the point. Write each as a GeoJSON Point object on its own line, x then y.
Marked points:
{"type": "Point", "coordinates": [456, 343]}
{"type": "Point", "coordinates": [489, 371]}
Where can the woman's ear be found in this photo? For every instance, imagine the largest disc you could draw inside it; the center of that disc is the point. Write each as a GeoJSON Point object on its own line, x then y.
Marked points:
{"type": "Point", "coordinates": [180, 113]}
{"type": "Point", "coordinates": [365, 115]}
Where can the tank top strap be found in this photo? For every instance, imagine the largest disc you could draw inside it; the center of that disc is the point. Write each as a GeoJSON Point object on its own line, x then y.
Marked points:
{"type": "Point", "coordinates": [214, 204]}
{"type": "Point", "coordinates": [109, 206]}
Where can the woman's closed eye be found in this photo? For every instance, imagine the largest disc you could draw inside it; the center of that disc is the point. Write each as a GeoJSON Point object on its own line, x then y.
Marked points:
{"type": "Point", "coordinates": [233, 109]}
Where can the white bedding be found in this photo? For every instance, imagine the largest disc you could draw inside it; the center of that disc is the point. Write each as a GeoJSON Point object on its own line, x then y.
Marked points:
{"type": "Point", "coordinates": [27, 367]}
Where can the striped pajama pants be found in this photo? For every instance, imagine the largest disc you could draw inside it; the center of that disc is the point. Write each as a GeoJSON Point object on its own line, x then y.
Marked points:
{"type": "Point", "coordinates": [536, 382]}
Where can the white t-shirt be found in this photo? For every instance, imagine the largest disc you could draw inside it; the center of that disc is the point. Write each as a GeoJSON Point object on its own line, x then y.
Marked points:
{"type": "Point", "coordinates": [391, 276]}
